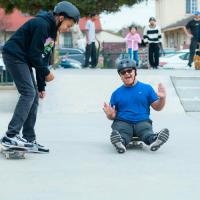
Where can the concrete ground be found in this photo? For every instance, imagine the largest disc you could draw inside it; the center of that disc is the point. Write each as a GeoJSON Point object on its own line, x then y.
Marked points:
{"type": "Point", "coordinates": [82, 164]}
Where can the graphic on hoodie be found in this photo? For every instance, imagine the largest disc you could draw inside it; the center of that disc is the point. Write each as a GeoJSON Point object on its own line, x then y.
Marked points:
{"type": "Point", "coordinates": [48, 45]}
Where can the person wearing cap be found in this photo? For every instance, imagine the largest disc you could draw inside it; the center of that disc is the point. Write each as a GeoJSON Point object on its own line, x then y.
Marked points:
{"type": "Point", "coordinates": [90, 41]}
{"type": "Point", "coordinates": [192, 30]}
{"type": "Point", "coordinates": [152, 37]}
{"type": "Point", "coordinates": [129, 108]}
{"type": "Point", "coordinates": [28, 49]}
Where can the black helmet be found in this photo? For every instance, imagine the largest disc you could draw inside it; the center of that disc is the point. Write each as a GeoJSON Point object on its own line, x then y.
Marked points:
{"type": "Point", "coordinates": [65, 7]}
{"type": "Point", "coordinates": [124, 62]}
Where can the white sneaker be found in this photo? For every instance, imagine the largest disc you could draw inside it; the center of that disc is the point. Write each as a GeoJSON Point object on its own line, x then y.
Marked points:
{"type": "Point", "coordinates": [120, 147]}
{"type": "Point", "coordinates": [38, 148]}
{"type": "Point", "coordinates": [15, 141]}
{"type": "Point", "coordinates": [163, 136]}
{"type": "Point", "coordinates": [117, 141]}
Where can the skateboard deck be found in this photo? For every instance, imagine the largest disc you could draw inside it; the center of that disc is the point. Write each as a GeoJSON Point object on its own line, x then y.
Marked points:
{"type": "Point", "coordinates": [13, 152]}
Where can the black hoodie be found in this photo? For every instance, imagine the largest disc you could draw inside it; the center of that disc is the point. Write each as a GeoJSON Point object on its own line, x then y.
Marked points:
{"type": "Point", "coordinates": [32, 43]}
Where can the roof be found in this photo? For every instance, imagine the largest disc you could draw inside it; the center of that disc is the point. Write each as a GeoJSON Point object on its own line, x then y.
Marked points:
{"type": "Point", "coordinates": [83, 21]}
{"type": "Point", "coordinates": [13, 21]}
{"type": "Point", "coordinates": [178, 24]}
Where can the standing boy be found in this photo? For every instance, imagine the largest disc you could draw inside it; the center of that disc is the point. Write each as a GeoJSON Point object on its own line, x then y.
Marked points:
{"type": "Point", "coordinates": [30, 47]}
{"type": "Point", "coordinates": [90, 41]}
{"type": "Point", "coordinates": [192, 29]}
{"type": "Point", "coordinates": [152, 37]}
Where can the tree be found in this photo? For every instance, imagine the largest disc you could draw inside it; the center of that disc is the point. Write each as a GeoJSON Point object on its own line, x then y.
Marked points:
{"type": "Point", "coordinates": [85, 6]}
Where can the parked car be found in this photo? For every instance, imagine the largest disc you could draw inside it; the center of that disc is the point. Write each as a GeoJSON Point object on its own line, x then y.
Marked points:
{"type": "Point", "coordinates": [179, 60]}
{"type": "Point", "coordinates": [66, 62]}
{"type": "Point", "coordinates": [73, 53]}
{"type": "Point", "coordinates": [168, 51]}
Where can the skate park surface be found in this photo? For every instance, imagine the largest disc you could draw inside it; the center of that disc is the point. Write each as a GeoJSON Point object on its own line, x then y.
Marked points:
{"type": "Point", "coordinates": [83, 165]}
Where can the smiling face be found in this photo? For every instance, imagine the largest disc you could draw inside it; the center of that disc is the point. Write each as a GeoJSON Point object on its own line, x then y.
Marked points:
{"type": "Point", "coordinates": [65, 25]}
{"type": "Point", "coordinates": [128, 76]}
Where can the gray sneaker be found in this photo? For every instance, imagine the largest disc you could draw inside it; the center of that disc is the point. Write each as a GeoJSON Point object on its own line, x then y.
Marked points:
{"type": "Point", "coordinates": [163, 136]}
{"type": "Point", "coordinates": [117, 141]}
{"type": "Point", "coordinates": [15, 141]}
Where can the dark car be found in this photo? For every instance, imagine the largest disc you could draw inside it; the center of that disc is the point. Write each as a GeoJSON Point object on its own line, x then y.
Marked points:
{"type": "Point", "coordinates": [66, 62]}
{"type": "Point", "coordinates": [73, 53]}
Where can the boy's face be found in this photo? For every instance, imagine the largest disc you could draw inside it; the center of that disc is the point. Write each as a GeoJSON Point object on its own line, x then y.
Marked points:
{"type": "Point", "coordinates": [93, 18]}
{"type": "Point", "coordinates": [152, 23]}
{"type": "Point", "coordinates": [66, 25]}
{"type": "Point", "coordinates": [127, 76]}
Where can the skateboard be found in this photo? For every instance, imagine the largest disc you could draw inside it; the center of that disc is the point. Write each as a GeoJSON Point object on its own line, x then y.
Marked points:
{"type": "Point", "coordinates": [13, 152]}
{"type": "Point", "coordinates": [135, 143]}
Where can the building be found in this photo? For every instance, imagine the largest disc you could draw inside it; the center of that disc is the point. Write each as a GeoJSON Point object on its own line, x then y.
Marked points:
{"type": "Point", "coordinates": [9, 23]}
{"type": "Point", "coordinates": [172, 17]}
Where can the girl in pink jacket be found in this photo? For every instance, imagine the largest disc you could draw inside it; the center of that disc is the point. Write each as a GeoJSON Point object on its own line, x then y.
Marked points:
{"type": "Point", "coordinates": [133, 39]}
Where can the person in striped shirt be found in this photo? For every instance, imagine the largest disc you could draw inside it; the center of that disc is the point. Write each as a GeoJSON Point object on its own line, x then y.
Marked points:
{"type": "Point", "coordinates": [152, 38]}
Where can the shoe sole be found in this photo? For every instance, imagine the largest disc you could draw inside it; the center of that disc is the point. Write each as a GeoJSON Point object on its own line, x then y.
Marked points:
{"type": "Point", "coordinates": [121, 150]}
{"type": "Point", "coordinates": [13, 146]}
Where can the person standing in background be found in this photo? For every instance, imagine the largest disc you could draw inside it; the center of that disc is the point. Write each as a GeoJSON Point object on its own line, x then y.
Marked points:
{"type": "Point", "coordinates": [192, 30]}
{"type": "Point", "coordinates": [133, 39]}
{"type": "Point", "coordinates": [90, 41]}
{"type": "Point", "coordinates": [152, 38]}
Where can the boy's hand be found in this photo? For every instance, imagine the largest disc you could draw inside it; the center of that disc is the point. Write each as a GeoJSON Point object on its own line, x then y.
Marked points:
{"type": "Point", "coordinates": [161, 91]}
{"type": "Point", "coordinates": [42, 94]}
{"type": "Point", "coordinates": [49, 77]}
{"type": "Point", "coordinates": [110, 111]}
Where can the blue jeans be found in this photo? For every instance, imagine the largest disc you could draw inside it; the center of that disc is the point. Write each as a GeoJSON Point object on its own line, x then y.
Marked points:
{"type": "Point", "coordinates": [133, 55]}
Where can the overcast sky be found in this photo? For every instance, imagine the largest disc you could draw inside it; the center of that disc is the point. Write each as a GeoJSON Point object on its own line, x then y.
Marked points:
{"type": "Point", "coordinates": [138, 14]}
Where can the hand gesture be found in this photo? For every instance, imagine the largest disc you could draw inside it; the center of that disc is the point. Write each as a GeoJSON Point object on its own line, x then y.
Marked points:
{"type": "Point", "coordinates": [109, 111]}
{"type": "Point", "coordinates": [161, 91]}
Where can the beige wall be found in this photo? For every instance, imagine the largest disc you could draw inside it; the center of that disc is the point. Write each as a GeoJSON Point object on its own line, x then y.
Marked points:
{"type": "Point", "coordinates": [170, 11]}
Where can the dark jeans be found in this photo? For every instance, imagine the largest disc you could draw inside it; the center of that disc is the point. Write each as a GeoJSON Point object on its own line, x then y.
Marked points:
{"type": "Point", "coordinates": [24, 116]}
{"type": "Point", "coordinates": [193, 47]}
{"type": "Point", "coordinates": [142, 130]}
{"type": "Point", "coordinates": [91, 53]}
{"type": "Point", "coordinates": [154, 54]}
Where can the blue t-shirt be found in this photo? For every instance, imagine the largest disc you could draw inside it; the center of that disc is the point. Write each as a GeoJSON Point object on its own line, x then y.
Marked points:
{"type": "Point", "coordinates": [133, 103]}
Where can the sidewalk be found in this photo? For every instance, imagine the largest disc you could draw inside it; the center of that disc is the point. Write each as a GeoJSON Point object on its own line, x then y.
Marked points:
{"type": "Point", "coordinates": [82, 164]}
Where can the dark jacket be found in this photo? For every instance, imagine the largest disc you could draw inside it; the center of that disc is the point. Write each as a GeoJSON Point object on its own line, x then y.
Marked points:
{"type": "Point", "coordinates": [194, 27]}
{"type": "Point", "coordinates": [32, 43]}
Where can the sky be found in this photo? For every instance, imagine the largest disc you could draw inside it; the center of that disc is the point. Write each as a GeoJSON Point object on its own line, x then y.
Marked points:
{"type": "Point", "coordinates": [139, 14]}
